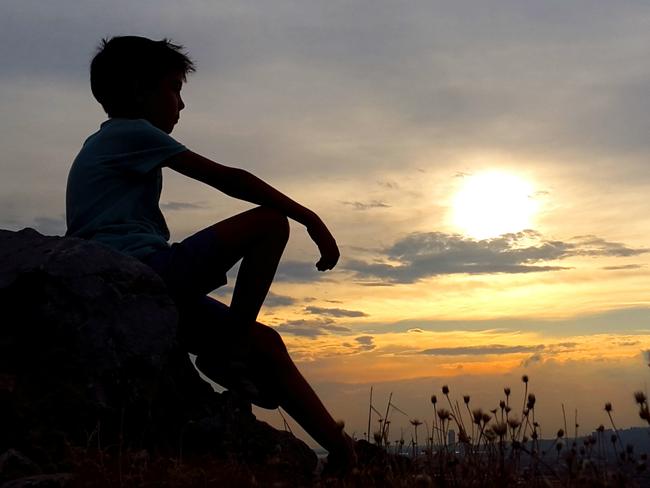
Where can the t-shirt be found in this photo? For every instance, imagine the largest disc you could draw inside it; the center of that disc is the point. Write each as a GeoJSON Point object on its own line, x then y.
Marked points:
{"type": "Point", "coordinates": [114, 187]}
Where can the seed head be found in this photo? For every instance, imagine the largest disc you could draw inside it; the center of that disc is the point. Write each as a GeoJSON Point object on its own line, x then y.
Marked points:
{"type": "Point", "coordinates": [477, 414]}
{"type": "Point", "coordinates": [560, 433]}
{"type": "Point", "coordinates": [640, 397]}
{"type": "Point", "coordinates": [415, 422]}
{"type": "Point", "coordinates": [502, 405]}
{"type": "Point", "coordinates": [500, 429]}
{"type": "Point", "coordinates": [601, 428]}
{"type": "Point", "coordinates": [514, 423]}
{"type": "Point", "coordinates": [506, 390]}
{"type": "Point", "coordinates": [445, 390]}
{"type": "Point", "coordinates": [608, 407]}
{"type": "Point", "coordinates": [508, 409]}
{"type": "Point", "coordinates": [524, 378]}
{"type": "Point", "coordinates": [434, 399]}
{"type": "Point", "coordinates": [531, 401]}
{"type": "Point", "coordinates": [444, 414]}
{"type": "Point", "coordinates": [486, 418]}
{"type": "Point", "coordinates": [466, 399]}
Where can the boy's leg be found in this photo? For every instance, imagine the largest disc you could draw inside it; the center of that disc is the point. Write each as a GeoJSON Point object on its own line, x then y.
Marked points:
{"type": "Point", "coordinates": [257, 237]}
{"type": "Point", "coordinates": [271, 366]}
{"type": "Point", "coordinates": [198, 264]}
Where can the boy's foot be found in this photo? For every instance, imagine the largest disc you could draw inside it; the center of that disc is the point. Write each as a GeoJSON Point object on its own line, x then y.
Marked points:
{"type": "Point", "coordinates": [342, 461]}
{"type": "Point", "coordinates": [234, 375]}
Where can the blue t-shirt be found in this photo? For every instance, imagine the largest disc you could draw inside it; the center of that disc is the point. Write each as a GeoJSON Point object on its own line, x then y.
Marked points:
{"type": "Point", "coordinates": [114, 187]}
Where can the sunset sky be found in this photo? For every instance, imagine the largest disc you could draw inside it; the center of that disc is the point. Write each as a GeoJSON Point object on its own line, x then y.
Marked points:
{"type": "Point", "coordinates": [484, 166]}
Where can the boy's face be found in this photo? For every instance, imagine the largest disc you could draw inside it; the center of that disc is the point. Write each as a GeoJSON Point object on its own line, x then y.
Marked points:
{"type": "Point", "coordinates": [162, 104]}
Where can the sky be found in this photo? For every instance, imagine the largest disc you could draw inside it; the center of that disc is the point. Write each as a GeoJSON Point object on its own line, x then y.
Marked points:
{"type": "Point", "coordinates": [483, 165]}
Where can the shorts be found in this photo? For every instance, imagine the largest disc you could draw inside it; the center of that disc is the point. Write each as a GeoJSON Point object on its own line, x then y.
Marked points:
{"type": "Point", "coordinates": [191, 269]}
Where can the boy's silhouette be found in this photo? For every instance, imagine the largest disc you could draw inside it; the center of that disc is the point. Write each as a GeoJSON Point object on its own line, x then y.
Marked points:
{"type": "Point", "coordinates": [112, 197]}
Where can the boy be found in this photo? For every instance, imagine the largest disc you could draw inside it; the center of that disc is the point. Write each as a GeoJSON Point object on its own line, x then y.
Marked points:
{"type": "Point", "coordinates": [112, 197]}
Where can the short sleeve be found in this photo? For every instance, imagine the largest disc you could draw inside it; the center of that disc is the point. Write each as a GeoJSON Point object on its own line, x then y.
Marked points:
{"type": "Point", "coordinates": [140, 147]}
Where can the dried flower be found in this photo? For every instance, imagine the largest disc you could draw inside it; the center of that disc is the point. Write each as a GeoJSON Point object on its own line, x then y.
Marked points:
{"type": "Point", "coordinates": [640, 397]}
{"type": "Point", "coordinates": [444, 414]}
{"type": "Point", "coordinates": [477, 414]}
{"type": "Point", "coordinates": [434, 399]}
{"type": "Point", "coordinates": [500, 429]}
{"type": "Point", "coordinates": [445, 390]}
{"type": "Point", "coordinates": [531, 401]}
{"type": "Point", "coordinates": [502, 405]}
{"type": "Point", "coordinates": [524, 378]}
{"type": "Point", "coordinates": [514, 423]}
{"type": "Point", "coordinates": [506, 390]}
{"type": "Point", "coordinates": [560, 433]}
{"type": "Point", "coordinates": [466, 399]}
{"type": "Point", "coordinates": [608, 407]}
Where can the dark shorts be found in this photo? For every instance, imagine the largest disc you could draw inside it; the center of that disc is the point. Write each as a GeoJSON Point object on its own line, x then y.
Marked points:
{"type": "Point", "coordinates": [191, 269]}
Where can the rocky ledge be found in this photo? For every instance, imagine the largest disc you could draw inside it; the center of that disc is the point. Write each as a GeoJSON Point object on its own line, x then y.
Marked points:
{"type": "Point", "coordinates": [89, 360]}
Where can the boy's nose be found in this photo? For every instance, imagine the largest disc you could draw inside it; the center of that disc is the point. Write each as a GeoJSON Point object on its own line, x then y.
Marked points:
{"type": "Point", "coordinates": [181, 104]}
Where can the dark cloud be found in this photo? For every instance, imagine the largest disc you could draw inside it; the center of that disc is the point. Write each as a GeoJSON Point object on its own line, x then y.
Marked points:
{"type": "Point", "coordinates": [335, 312]}
{"type": "Point", "coordinates": [623, 267]}
{"type": "Point", "coordinates": [273, 300]}
{"type": "Point", "coordinates": [366, 342]}
{"type": "Point", "coordinates": [534, 359]}
{"type": "Point", "coordinates": [421, 255]}
{"type": "Point", "coordinates": [297, 272]}
{"type": "Point", "coordinates": [311, 328]}
{"type": "Point", "coordinates": [479, 350]}
{"type": "Point", "coordinates": [172, 206]}
{"type": "Point", "coordinates": [366, 205]}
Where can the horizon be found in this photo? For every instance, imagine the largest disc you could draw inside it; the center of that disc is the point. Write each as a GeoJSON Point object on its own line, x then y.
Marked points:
{"type": "Point", "coordinates": [482, 165]}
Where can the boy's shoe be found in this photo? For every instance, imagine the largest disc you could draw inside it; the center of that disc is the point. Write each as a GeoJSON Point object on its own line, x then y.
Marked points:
{"type": "Point", "coordinates": [234, 375]}
{"type": "Point", "coordinates": [341, 463]}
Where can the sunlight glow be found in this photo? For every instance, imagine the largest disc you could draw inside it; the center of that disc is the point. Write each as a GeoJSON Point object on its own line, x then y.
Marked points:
{"type": "Point", "coordinates": [493, 203]}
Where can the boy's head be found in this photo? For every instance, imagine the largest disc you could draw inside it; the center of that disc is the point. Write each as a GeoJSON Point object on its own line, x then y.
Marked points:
{"type": "Point", "coordinates": [128, 71]}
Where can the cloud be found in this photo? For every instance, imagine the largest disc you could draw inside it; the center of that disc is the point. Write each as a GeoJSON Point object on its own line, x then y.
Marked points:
{"type": "Point", "coordinates": [534, 359]}
{"type": "Point", "coordinates": [297, 272]}
{"type": "Point", "coordinates": [623, 267]}
{"type": "Point", "coordinates": [311, 328]}
{"type": "Point", "coordinates": [366, 205]}
{"type": "Point", "coordinates": [366, 342]}
{"type": "Point", "coordinates": [335, 312]}
{"type": "Point", "coordinates": [479, 350]}
{"type": "Point", "coordinates": [173, 206]}
{"type": "Point", "coordinates": [421, 255]}
{"type": "Point", "coordinates": [274, 300]}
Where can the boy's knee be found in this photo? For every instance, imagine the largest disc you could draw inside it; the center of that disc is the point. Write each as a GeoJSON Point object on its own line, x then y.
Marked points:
{"type": "Point", "coordinates": [268, 336]}
{"type": "Point", "coordinates": [275, 221]}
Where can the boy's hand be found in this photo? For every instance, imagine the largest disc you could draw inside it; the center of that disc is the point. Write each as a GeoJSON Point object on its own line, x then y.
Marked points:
{"type": "Point", "coordinates": [329, 251]}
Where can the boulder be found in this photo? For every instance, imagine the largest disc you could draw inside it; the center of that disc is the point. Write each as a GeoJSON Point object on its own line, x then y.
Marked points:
{"type": "Point", "coordinates": [88, 357]}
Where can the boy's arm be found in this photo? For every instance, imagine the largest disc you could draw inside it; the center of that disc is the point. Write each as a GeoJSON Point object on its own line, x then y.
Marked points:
{"type": "Point", "coordinates": [241, 184]}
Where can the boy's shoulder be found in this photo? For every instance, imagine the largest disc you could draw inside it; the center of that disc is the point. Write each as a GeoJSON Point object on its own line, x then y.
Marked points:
{"type": "Point", "coordinates": [124, 136]}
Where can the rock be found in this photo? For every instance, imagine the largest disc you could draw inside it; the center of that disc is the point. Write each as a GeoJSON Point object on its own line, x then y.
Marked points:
{"type": "Point", "coordinates": [88, 357]}
{"type": "Point", "coordinates": [14, 464]}
{"type": "Point", "coordinates": [57, 480]}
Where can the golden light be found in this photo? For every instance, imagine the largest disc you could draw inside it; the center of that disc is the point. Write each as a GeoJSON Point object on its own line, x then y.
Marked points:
{"type": "Point", "coordinates": [493, 203]}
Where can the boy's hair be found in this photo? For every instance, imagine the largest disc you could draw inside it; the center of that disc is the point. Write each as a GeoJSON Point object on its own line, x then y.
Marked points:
{"type": "Point", "coordinates": [126, 66]}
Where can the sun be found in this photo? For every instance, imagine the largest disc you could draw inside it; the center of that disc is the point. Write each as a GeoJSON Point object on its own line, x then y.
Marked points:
{"type": "Point", "coordinates": [493, 203]}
